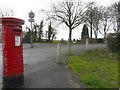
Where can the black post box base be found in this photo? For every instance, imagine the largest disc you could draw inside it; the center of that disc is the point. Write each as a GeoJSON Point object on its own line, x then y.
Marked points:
{"type": "Point", "coordinates": [13, 81]}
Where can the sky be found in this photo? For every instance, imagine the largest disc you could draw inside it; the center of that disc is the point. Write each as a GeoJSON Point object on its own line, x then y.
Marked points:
{"type": "Point", "coordinates": [23, 7]}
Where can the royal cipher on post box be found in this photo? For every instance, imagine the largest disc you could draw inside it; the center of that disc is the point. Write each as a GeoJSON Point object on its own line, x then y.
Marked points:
{"type": "Point", "coordinates": [13, 67]}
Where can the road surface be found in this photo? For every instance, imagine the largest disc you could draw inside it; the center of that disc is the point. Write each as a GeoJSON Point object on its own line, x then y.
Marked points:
{"type": "Point", "coordinates": [41, 60]}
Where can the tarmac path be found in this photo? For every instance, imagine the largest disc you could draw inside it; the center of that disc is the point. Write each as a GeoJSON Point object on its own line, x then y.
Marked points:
{"type": "Point", "coordinates": [41, 70]}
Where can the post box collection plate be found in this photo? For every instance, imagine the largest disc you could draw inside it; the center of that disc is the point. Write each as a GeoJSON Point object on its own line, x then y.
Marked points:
{"type": "Point", "coordinates": [17, 41]}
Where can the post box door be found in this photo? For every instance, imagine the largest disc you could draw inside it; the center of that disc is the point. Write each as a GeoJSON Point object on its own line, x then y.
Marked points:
{"type": "Point", "coordinates": [18, 63]}
{"type": "Point", "coordinates": [13, 54]}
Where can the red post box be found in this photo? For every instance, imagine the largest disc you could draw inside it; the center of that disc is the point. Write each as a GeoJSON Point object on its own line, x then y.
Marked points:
{"type": "Point", "coordinates": [13, 67]}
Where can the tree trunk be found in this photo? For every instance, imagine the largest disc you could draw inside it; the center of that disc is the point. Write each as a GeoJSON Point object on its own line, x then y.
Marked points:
{"type": "Point", "coordinates": [39, 37]}
{"type": "Point", "coordinates": [105, 33]}
{"type": "Point", "coordinates": [49, 36]}
{"type": "Point", "coordinates": [91, 29]}
{"type": "Point", "coordinates": [91, 33]}
{"type": "Point", "coordinates": [39, 34]}
{"type": "Point", "coordinates": [49, 39]}
{"type": "Point", "coordinates": [105, 38]}
{"type": "Point", "coordinates": [69, 41]}
{"type": "Point", "coordinates": [52, 38]}
{"type": "Point", "coordinates": [96, 39]}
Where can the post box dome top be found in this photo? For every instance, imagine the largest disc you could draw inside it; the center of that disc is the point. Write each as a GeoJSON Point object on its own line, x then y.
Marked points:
{"type": "Point", "coordinates": [11, 21]}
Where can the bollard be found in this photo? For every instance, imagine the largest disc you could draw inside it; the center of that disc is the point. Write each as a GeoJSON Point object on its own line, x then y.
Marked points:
{"type": "Point", "coordinates": [59, 59]}
{"type": "Point", "coordinates": [86, 45]}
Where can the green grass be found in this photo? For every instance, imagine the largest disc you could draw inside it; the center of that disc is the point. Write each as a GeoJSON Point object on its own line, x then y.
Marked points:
{"type": "Point", "coordinates": [56, 41]}
{"type": "Point", "coordinates": [95, 69]}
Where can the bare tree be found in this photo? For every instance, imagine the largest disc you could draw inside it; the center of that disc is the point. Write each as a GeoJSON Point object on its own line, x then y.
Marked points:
{"type": "Point", "coordinates": [106, 21]}
{"type": "Point", "coordinates": [5, 11]}
{"type": "Point", "coordinates": [114, 16]}
{"type": "Point", "coordinates": [40, 29]}
{"type": "Point", "coordinates": [35, 32]}
{"type": "Point", "coordinates": [71, 14]}
{"type": "Point", "coordinates": [92, 18]}
{"type": "Point", "coordinates": [51, 33]}
{"type": "Point", "coordinates": [52, 25]}
{"type": "Point", "coordinates": [96, 21]}
{"type": "Point", "coordinates": [89, 16]}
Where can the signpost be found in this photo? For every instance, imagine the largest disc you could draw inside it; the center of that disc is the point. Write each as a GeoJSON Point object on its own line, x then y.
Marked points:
{"type": "Point", "coordinates": [31, 16]}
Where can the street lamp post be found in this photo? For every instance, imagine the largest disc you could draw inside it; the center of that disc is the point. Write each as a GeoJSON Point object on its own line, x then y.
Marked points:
{"type": "Point", "coordinates": [31, 16]}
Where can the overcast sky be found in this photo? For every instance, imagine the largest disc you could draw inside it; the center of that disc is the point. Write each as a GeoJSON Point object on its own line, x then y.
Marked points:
{"type": "Point", "coordinates": [23, 7]}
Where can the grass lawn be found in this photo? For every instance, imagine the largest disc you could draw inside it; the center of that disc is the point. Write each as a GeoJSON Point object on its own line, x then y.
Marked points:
{"type": "Point", "coordinates": [96, 68]}
{"type": "Point", "coordinates": [54, 42]}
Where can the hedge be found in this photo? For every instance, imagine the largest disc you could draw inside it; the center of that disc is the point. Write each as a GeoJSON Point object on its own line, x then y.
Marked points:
{"type": "Point", "coordinates": [113, 42]}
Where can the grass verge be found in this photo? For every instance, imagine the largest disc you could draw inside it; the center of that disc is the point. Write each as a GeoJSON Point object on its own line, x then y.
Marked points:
{"type": "Point", "coordinates": [95, 69]}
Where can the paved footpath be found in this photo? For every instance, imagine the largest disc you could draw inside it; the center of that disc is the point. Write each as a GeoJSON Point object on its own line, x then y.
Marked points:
{"type": "Point", "coordinates": [41, 70]}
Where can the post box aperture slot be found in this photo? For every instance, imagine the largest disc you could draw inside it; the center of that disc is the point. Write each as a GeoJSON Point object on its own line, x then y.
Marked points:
{"type": "Point", "coordinates": [17, 30]}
